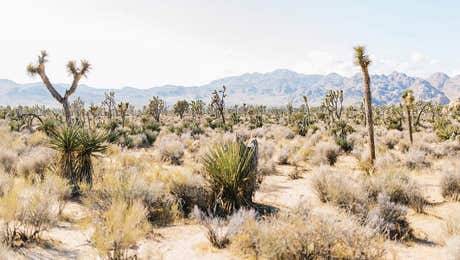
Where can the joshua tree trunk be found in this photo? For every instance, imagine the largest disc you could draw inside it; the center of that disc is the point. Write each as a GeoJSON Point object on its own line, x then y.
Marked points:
{"type": "Point", "coordinates": [362, 59]}
{"type": "Point", "coordinates": [369, 119]}
{"type": "Point", "coordinates": [409, 123]}
{"type": "Point", "coordinates": [67, 114]}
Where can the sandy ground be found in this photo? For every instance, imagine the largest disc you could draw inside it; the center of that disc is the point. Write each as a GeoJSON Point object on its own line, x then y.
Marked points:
{"type": "Point", "coordinates": [183, 241]}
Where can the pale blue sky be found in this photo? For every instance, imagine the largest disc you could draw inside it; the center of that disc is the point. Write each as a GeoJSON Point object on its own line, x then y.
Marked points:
{"type": "Point", "coordinates": [147, 43]}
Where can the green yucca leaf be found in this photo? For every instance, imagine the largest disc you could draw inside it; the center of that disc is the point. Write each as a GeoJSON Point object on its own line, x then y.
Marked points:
{"type": "Point", "coordinates": [232, 174]}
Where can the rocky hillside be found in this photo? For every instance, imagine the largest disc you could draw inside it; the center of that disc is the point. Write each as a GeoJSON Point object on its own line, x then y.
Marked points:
{"type": "Point", "coordinates": [273, 89]}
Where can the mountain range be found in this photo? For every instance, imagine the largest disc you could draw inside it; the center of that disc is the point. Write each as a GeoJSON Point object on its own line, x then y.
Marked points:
{"type": "Point", "coordinates": [275, 88]}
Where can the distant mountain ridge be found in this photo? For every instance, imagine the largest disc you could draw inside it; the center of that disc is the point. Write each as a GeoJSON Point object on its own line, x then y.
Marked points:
{"type": "Point", "coordinates": [275, 88]}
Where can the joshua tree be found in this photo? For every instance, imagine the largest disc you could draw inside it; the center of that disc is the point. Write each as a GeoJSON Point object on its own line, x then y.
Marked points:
{"type": "Point", "coordinates": [122, 110]}
{"type": "Point", "coordinates": [93, 110]}
{"type": "Point", "coordinates": [409, 103]}
{"type": "Point", "coordinates": [218, 102]}
{"type": "Point", "coordinates": [76, 72]}
{"type": "Point", "coordinates": [307, 107]}
{"type": "Point", "coordinates": [156, 107]}
{"type": "Point", "coordinates": [362, 59]}
{"type": "Point", "coordinates": [78, 110]}
{"type": "Point", "coordinates": [180, 108]}
{"type": "Point", "coordinates": [197, 108]}
{"type": "Point", "coordinates": [333, 102]}
{"type": "Point", "coordinates": [109, 103]}
{"type": "Point", "coordinates": [290, 110]}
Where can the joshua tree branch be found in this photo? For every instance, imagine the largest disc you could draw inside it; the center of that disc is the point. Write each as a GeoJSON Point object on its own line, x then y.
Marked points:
{"type": "Point", "coordinates": [48, 85]}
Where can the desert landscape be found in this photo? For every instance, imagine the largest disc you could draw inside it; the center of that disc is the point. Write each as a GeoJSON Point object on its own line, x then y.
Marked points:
{"type": "Point", "coordinates": [282, 130]}
{"type": "Point", "coordinates": [204, 180]}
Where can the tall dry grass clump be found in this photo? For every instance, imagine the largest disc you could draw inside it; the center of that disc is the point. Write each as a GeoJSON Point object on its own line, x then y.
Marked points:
{"type": "Point", "coordinates": [132, 186]}
{"type": "Point", "coordinates": [120, 228]}
{"type": "Point", "coordinates": [27, 210]}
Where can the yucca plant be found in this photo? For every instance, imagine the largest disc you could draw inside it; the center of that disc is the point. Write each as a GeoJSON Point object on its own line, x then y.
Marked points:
{"type": "Point", "coordinates": [92, 144]}
{"type": "Point", "coordinates": [66, 141]}
{"type": "Point", "coordinates": [77, 147]}
{"type": "Point", "coordinates": [232, 173]}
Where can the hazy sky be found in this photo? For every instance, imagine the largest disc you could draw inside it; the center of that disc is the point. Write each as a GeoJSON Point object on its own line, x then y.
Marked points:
{"type": "Point", "coordinates": [145, 43]}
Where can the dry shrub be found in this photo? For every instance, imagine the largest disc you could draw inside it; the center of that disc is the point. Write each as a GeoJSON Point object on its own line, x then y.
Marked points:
{"type": "Point", "coordinates": [450, 185]}
{"type": "Point", "coordinates": [27, 211]}
{"type": "Point", "coordinates": [266, 150]}
{"type": "Point", "coordinates": [307, 236]}
{"type": "Point", "coordinates": [283, 154]}
{"type": "Point", "coordinates": [35, 162]}
{"type": "Point", "coordinates": [260, 132]}
{"type": "Point", "coordinates": [325, 153]}
{"type": "Point", "coordinates": [385, 161]}
{"type": "Point", "coordinates": [340, 190]}
{"type": "Point", "coordinates": [266, 164]}
{"type": "Point", "coordinates": [356, 139]}
{"type": "Point", "coordinates": [295, 174]}
{"type": "Point", "coordinates": [415, 159]}
{"type": "Point", "coordinates": [392, 138]}
{"type": "Point", "coordinates": [119, 229]}
{"type": "Point", "coordinates": [265, 168]}
{"type": "Point", "coordinates": [58, 189]}
{"type": "Point", "coordinates": [399, 187]}
{"type": "Point", "coordinates": [278, 132]}
{"type": "Point", "coordinates": [403, 145]}
{"type": "Point", "coordinates": [113, 149]}
{"type": "Point", "coordinates": [389, 219]}
{"type": "Point", "coordinates": [37, 138]}
{"type": "Point", "coordinates": [364, 160]}
{"type": "Point", "coordinates": [8, 160]}
{"type": "Point", "coordinates": [189, 190]}
{"type": "Point", "coordinates": [171, 149]}
{"type": "Point", "coordinates": [221, 230]}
